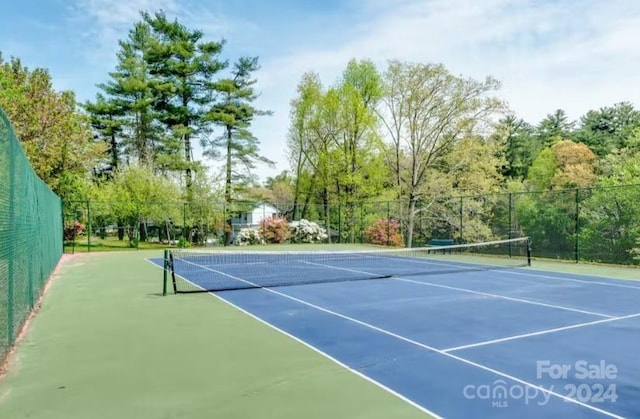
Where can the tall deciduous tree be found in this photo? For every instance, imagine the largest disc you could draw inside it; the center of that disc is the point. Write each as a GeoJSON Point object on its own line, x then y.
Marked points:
{"type": "Point", "coordinates": [334, 145]}
{"type": "Point", "coordinates": [135, 192]}
{"type": "Point", "coordinates": [434, 112]}
{"type": "Point", "coordinates": [234, 112]}
{"type": "Point", "coordinates": [55, 137]}
{"type": "Point", "coordinates": [564, 165]}
{"type": "Point", "coordinates": [611, 230]}
{"type": "Point", "coordinates": [303, 127]}
{"type": "Point", "coordinates": [358, 159]}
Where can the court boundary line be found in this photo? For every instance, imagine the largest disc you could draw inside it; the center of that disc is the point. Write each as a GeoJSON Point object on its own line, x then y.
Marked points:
{"type": "Point", "coordinates": [505, 297]}
{"type": "Point", "coordinates": [419, 344]}
{"type": "Point", "coordinates": [315, 349]}
{"type": "Point", "coordinates": [541, 332]}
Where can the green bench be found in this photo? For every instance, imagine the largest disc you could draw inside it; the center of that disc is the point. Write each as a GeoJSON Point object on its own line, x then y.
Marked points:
{"type": "Point", "coordinates": [441, 242]}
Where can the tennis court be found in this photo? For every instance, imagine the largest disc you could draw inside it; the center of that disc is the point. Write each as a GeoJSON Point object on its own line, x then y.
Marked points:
{"type": "Point", "coordinates": [456, 334]}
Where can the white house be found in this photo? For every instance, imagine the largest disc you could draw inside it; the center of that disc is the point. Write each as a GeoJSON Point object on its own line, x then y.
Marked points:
{"type": "Point", "coordinates": [253, 218]}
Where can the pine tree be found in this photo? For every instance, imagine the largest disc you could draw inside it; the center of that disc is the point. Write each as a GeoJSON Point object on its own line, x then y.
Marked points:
{"type": "Point", "coordinates": [234, 113]}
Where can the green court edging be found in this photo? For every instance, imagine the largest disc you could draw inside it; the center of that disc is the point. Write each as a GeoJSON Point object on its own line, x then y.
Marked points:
{"type": "Point", "coordinates": [105, 344]}
{"type": "Point", "coordinates": [605, 271]}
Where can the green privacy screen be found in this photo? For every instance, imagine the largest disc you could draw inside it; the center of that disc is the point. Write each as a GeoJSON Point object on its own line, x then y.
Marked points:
{"type": "Point", "coordinates": [30, 235]}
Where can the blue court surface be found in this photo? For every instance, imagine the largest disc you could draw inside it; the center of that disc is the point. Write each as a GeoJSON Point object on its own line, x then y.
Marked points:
{"type": "Point", "coordinates": [477, 343]}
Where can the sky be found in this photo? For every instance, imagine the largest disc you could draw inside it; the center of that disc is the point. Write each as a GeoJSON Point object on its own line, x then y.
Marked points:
{"type": "Point", "coordinates": [574, 55]}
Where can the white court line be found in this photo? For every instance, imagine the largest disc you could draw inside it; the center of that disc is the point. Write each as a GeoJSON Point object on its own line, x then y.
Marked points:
{"type": "Point", "coordinates": [421, 345]}
{"type": "Point", "coordinates": [317, 350]}
{"type": "Point", "coordinates": [486, 294]}
{"type": "Point", "coordinates": [541, 332]}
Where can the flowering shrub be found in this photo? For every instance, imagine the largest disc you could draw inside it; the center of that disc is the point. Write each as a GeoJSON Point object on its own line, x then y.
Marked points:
{"type": "Point", "coordinates": [384, 232]}
{"type": "Point", "coordinates": [248, 236]}
{"type": "Point", "coordinates": [274, 229]}
{"type": "Point", "coordinates": [305, 231]}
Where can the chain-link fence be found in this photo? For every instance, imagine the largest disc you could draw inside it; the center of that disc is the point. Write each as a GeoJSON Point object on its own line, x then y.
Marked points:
{"type": "Point", "coordinates": [30, 235]}
{"type": "Point", "coordinates": [599, 224]}
{"type": "Point", "coordinates": [594, 224]}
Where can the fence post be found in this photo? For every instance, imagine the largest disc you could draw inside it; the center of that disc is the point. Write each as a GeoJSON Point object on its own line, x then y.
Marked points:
{"type": "Point", "coordinates": [73, 232]}
{"type": "Point", "coordinates": [362, 227]}
{"type": "Point", "coordinates": [577, 225]}
{"type": "Point", "coordinates": [339, 223]}
{"type": "Point", "coordinates": [510, 235]}
{"type": "Point", "coordinates": [88, 226]}
{"type": "Point", "coordinates": [327, 221]}
{"type": "Point", "coordinates": [423, 242]}
{"type": "Point", "coordinates": [461, 226]}
{"type": "Point", "coordinates": [137, 229]}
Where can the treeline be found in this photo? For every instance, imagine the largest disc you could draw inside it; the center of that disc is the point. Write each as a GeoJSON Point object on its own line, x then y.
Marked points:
{"type": "Point", "coordinates": [418, 134]}
{"type": "Point", "coordinates": [409, 133]}
{"type": "Point", "coordinates": [171, 89]}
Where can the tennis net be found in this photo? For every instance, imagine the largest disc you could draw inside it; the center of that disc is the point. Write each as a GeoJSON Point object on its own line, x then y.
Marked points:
{"type": "Point", "coordinates": [195, 270]}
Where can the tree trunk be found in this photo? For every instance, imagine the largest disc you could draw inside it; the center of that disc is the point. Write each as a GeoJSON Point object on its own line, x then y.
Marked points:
{"type": "Point", "coordinates": [296, 193]}
{"type": "Point", "coordinates": [114, 152]}
{"type": "Point", "coordinates": [187, 150]}
{"type": "Point", "coordinates": [305, 208]}
{"type": "Point", "coordinates": [143, 231]}
{"type": "Point", "coordinates": [188, 174]}
{"type": "Point", "coordinates": [120, 230]}
{"type": "Point", "coordinates": [228, 232]}
{"type": "Point", "coordinates": [294, 215]}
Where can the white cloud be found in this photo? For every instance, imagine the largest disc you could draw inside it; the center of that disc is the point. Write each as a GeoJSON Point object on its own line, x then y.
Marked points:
{"type": "Point", "coordinates": [108, 21]}
{"type": "Point", "coordinates": [575, 54]}
{"type": "Point", "coordinates": [110, 13]}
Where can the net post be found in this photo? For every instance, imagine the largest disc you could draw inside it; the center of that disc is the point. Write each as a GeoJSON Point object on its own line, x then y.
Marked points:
{"type": "Point", "coordinates": [528, 251]}
{"type": "Point", "coordinates": [165, 273]}
{"type": "Point", "coordinates": [173, 273]}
